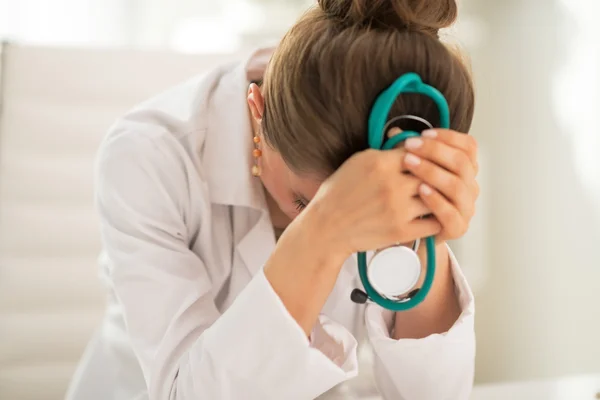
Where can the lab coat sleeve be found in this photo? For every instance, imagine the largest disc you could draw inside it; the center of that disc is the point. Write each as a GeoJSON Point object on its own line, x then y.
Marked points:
{"type": "Point", "coordinates": [186, 348]}
{"type": "Point", "coordinates": [440, 366]}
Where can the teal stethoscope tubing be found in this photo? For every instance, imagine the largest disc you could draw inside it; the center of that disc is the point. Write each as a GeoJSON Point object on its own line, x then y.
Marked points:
{"type": "Point", "coordinates": [407, 83]}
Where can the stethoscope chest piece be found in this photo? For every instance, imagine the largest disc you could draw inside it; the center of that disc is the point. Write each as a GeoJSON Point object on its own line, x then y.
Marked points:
{"type": "Point", "coordinates": [394, 272]}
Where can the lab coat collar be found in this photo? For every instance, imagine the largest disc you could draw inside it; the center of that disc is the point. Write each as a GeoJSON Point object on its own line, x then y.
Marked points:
{"type": "Point", "coordinates": [228, 143]}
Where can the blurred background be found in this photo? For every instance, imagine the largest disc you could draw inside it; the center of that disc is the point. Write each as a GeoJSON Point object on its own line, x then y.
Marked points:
{"type": "Point", "coordinates": [70, 67]}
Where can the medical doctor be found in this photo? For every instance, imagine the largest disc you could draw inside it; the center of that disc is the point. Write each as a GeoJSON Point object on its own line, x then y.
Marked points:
{"type": "Point", "coordinates": [232, 207]}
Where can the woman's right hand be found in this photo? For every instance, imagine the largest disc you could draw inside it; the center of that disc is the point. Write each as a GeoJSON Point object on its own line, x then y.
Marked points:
{"type": "Point", "coordinates": [371, 203]}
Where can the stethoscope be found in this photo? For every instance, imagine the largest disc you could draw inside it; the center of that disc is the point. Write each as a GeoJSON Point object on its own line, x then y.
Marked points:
{"type": "Point", "coordinates": [391, 275]}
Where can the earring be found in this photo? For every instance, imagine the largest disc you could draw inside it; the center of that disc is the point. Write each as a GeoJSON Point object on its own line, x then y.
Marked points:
{"type": "Point", "coordinates": [256, 153]}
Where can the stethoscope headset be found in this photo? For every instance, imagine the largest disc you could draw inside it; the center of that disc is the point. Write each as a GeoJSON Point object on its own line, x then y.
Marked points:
{"type": "Point", "coordinates": [391, 275]}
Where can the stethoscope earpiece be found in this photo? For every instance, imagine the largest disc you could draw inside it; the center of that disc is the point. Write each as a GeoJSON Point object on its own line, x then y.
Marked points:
{"type": "Point", "coordinates": [390, 279]}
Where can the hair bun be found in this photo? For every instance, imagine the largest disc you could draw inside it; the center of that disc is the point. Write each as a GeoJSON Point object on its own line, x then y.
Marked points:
{"type": "Point", "coordinates": [412, 15]}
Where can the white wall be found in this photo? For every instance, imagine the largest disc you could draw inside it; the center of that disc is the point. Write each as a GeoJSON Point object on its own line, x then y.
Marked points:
{"type": "Point", "coordinates": [538, 311]}
{"type": "Point", "coordinates": [197, 26]}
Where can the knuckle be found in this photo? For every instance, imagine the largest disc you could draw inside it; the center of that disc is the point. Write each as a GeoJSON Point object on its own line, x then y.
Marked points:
{"type": "Point", "coordinates": [358, 159]}
{"type": "Point", "coordinates": [452, 234]}
{"type": "Point", "coordinates": [448, 215]}
{"type": "Point", "coordinates": [438, 226]}
{"type": "Point", "coordinates": [456, 188]}
{"type": "Point", "coordinates": [367, 156]}
{"type": "Point", "coordinates": [425, 169]}
{"type": "Point", "coordinates": [430, 147]}
{"type": "Point", "coordinates": [372, 164]}
{"type": "Point", "coordinates": [460, 160]}
{"type": "Point", "coordinates": [447, 184]}
{"type": "Point", "coordinates": [472, 143]}
{"type": "Point", "coordinates": [385, 191]}
{"type": "Point", "coordinates": [434, 228]}
{"type": "Point", "coordinates": [378, 164]}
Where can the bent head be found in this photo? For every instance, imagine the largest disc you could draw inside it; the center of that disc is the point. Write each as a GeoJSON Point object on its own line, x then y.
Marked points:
{"type": "Point", "coordinates": [313, 107]}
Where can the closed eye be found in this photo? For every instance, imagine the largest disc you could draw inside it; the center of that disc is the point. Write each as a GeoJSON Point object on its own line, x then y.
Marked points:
{"type": "Point", "coordinates": [300, 204]}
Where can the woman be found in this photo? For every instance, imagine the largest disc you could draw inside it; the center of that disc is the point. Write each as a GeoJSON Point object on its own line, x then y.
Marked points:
{"type": "Point", "coordinates": [203, 186]}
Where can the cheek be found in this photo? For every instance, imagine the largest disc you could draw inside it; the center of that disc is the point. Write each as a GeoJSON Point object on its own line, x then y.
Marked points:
{"type": "Point", "coordinates": [276, 184]}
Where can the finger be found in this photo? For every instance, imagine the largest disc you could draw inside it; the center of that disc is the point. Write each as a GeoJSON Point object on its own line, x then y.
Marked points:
{"type": "Point", "coordinates": [400, 153]}
{"type": "Point", "coordinates": [453, 159]}
{"type": "Point", "coordinates": [417, 208]}
{"type": "Point", "coordinates": [442, 180]}
{"type": "Point", "coordinates": [393, 132]}
{"type": "Point", "coordinates": [453, 222]}
{"type": "Point", "coordinates": [391, 160]}
{"type": "Point", "coordinates": [400, 146]}
{"type": "Point", "coordinates": [408, 185]}
{"type": "Point", "coordinates": [420, 228]}
{"type": "Point", "coordinates": [459, 140]}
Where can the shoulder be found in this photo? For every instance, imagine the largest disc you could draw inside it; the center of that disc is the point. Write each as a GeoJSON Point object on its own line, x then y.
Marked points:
{"type": "Point", "coordinates": [137, 141]}
{"type": "Point", "coordinates": [143, 172]}
{"type": "Point", "coordinates": [163, 133]}
{"type": "Point", "coordinates": [137, 154]}
{"type": "Point", "coordinates": [158, 149]}
{"type": "Point", "coordinates": [182, 108]}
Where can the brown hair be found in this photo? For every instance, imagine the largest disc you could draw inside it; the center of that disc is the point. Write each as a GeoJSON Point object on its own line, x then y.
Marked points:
{"type": "Point", "coordinates": [332, 64]}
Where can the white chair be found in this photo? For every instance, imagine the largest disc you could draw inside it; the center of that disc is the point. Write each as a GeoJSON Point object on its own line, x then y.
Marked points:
{"type": "Point", "coordinates": [56, 106]}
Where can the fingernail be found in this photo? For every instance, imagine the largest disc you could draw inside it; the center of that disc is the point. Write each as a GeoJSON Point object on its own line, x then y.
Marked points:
{"type": "Point", "coordinates": [411, 159]}
{"type": "Point", "coordinates": [426, 189]}
{"type": "Point", "coordinates": [429, 133]}
{"type": "Point", "coordinates": [413, 143]}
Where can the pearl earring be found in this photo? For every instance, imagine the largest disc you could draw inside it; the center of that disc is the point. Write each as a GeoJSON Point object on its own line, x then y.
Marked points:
{"type": "Point", "coordinates": [256, 153]}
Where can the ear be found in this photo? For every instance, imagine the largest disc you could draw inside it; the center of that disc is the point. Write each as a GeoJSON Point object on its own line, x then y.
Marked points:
{"type": "Point", "coordinates": [256, 102]}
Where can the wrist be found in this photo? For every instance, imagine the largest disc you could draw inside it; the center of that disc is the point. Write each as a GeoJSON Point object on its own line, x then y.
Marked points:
{"type": "Point", "coordinates": [304, 263]}
{"type": "Point", "coordinates": [442, 266]}
{"type": "Point", "coordinates": [320, 236]}
{"type": "Point", "coordinates": [440, 309]}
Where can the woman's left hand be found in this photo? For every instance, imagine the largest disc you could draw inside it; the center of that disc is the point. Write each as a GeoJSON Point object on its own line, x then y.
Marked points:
{"type": "Point", "coordinates": [446, 161]}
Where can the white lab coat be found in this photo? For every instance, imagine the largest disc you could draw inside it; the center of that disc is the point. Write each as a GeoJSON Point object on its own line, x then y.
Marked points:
{"type": "Point", "coordinates": [190, 314]}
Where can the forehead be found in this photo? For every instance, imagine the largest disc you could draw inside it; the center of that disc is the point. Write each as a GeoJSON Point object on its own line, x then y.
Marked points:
{"type": "Point", "coordinates": [305, 185]}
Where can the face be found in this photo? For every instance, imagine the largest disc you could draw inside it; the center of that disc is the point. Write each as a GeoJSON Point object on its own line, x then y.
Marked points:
{"type": "Point", "coordinates": [290, 191]}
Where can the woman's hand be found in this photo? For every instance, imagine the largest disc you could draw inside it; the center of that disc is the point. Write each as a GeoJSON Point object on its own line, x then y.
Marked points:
{"type": "Point", "coordinates": [367, 204]}
{"type": "Point", "coordinates": [370, 203]}
{"type": "Point", "coordinates": [446, 161]}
